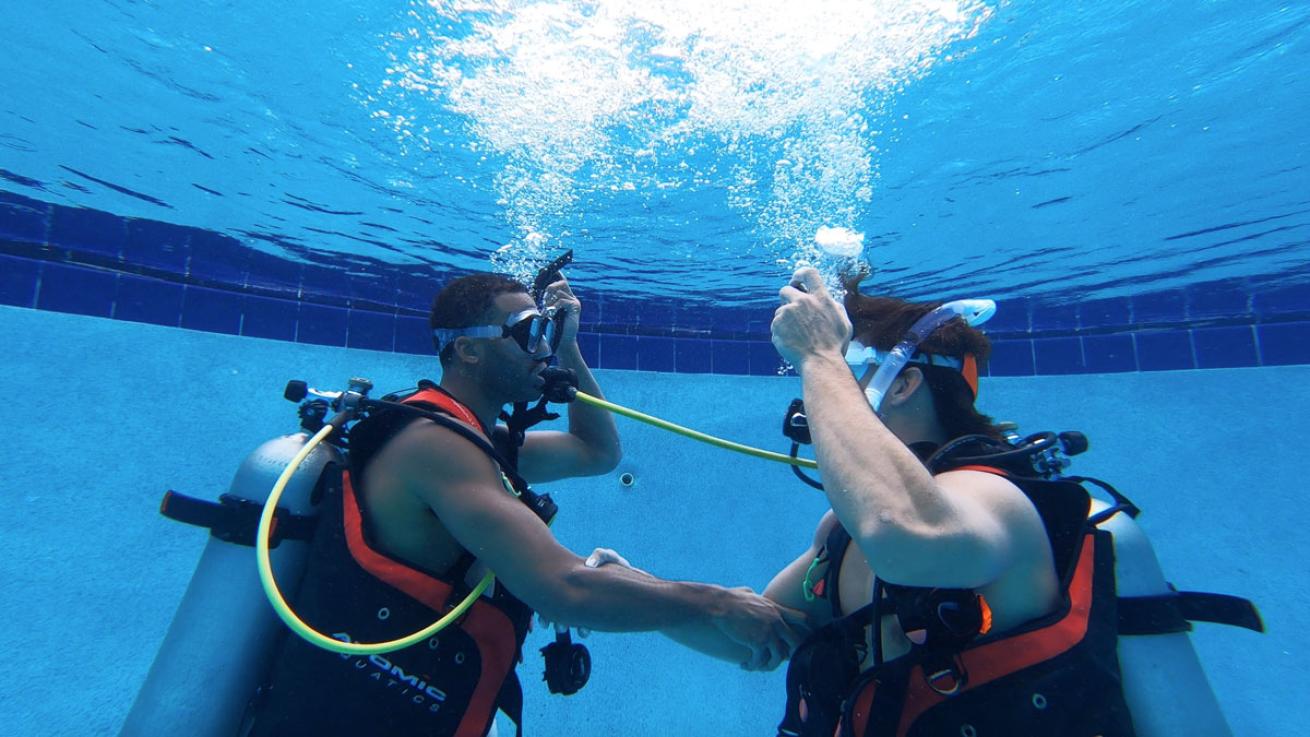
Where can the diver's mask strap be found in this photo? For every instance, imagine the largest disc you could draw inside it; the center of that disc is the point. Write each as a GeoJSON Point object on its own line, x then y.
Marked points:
{"type": "Point", "coordinates": [529, 328]}
{"type": "Point", "coordinates": [859, 355]}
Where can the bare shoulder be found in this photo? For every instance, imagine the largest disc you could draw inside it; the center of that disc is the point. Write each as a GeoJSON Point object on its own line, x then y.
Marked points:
{"type": "Point", "coordinates": [989, 493]}
{"type": "Point", "coordinates": [430, 455]}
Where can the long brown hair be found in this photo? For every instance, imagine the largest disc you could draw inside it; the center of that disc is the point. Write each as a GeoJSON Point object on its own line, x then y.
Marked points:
{"type": "Point", "coordinates": [881, 322]}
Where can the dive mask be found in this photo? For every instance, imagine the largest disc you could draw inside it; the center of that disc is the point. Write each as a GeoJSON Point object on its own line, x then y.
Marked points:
{"type": "Point", "coordinates": [537, 333]}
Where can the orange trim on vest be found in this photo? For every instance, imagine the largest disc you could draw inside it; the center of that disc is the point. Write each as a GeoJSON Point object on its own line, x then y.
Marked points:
{"type": "Point", "coordinates": [1000, 658]}
{"type": "Point", "coordinates": [490, 628]}
{"type": "Point", "coordinates": [984, 469]}
{"type": "Point", "coordinates": [447, 403]}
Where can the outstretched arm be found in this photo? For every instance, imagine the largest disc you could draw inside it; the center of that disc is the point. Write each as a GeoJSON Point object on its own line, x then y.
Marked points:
{"type": "Point", "coordinates": [463, 488]}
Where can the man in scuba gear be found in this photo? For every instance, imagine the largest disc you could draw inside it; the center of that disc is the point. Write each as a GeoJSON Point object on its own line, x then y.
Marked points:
{"type": "Point", "coordinates": [426, 511]}
{"type": "Point", "coordinates": [953, 590]}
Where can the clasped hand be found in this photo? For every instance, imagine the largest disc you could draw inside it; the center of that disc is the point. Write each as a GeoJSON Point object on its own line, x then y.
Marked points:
{"type": "Point", "coordinates": [809, 322]}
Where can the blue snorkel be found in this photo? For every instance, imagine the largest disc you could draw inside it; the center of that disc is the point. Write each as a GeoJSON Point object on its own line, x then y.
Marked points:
{"type": "Point", "coordinates": [973, 311]}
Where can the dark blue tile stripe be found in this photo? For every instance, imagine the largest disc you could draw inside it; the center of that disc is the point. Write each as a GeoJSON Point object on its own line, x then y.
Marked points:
{"type": "Point", "coordinates": [94, 263]}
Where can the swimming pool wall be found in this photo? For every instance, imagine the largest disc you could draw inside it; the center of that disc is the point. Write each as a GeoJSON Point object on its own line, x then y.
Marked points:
{"type": "Point", "coordinates": [107, 414]}
{"type": "Point", "coordinates": [90, 262]}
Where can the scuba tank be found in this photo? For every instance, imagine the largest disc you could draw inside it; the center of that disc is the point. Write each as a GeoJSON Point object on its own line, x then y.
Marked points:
{"type": "Point", "coordinates": [215, 654]}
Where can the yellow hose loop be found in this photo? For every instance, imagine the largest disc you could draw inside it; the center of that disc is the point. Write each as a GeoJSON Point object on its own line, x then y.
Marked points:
{"type": "Point", "coordinates": [315, 637]}
{"type": "Point", "coordinates": [694, 434]}
{"type": "Point", "coordinates": [298, 625]}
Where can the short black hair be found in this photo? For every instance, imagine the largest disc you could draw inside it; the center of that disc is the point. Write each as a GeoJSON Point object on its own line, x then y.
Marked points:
{"type": "Point", "coordinates": [466, 302]}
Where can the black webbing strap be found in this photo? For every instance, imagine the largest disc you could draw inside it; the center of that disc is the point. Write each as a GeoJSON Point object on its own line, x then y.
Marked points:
{"type": "Point", "coordinates": [510, 701]}
{"type": "Point", "coordinates": [1175, 612]}
{"type": "Point", "coordinates": [234, 519]}
{"type": "Point", "coordinates": [1121, 502]}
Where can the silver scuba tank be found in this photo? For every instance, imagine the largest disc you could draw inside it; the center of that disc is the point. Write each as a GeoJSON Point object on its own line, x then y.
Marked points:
{"type": "Point", "coordinates": [224, 632]}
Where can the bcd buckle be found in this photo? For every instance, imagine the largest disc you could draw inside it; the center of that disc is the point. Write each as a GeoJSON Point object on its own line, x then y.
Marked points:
{"type": "Point", "coordinates": [947, 680]}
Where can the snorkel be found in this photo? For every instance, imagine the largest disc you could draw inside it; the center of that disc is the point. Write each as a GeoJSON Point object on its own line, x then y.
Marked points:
{"type": "Point", "coordinates": [973, 311]}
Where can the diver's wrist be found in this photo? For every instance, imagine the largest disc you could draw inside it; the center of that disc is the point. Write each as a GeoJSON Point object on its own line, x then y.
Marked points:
{"type": "Point", "coordinates": [568, 349]}
{"type": "Point", "coordinates": [820, 360]}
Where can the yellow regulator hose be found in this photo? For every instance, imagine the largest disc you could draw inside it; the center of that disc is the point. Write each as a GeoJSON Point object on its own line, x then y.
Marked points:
{"type": "Point", "coordinates": [298, 625]}
{"type": "Point", "coordinates": [695, 435]}
{"type": "Point", "coordinates": [315, 637]}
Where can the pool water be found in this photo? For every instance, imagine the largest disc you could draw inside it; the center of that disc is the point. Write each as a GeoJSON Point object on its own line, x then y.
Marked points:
{"type": "Point", "coordinates": [113, 413]}
{"type": "Point", "coordinates": [199, 202]}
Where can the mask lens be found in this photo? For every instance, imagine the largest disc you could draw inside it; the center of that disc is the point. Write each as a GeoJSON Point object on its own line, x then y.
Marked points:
{"type": "Point", "coordinates": [554, 331]}
{"type": "Point", "coordinates": [526, 333]}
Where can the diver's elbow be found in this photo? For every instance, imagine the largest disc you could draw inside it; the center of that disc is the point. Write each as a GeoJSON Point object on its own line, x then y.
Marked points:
{"type": "Point", "coordinates": [564, 597]}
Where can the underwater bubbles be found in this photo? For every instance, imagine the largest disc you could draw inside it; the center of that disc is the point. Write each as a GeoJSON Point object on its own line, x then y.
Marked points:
{"type": "Point", "coordinates": [762, 107]}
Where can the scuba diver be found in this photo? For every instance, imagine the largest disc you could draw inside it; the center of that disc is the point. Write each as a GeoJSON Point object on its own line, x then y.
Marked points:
{"type": "Point", "coordinates": [958, 585]}
{"type": "Point", "coordinates": [426, 507]}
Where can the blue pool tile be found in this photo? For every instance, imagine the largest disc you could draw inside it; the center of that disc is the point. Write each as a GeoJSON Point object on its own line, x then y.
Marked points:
{"type": "Point", "coordinates": [157, 245]}
{"type": "Point", "coordinates": [1062, 355]}
{"type": "Point", "coordinates": [1217, 300]}
{"type": "Point", "coordinates": [758, 329]}
{"type": "Point", "coordinates": [589, 347]}
{"type": "Point", "coordinates": [1164, 350]}
{"type": "Point", "coordinates": [218, 258]}
{"type": "Point", "coordinates": [417, 291]}
{"type": "Point", "coordinates": [1012, 316]}
{"type": "Point", "coordinates": [1055, 317]}
{"type": "Point", "coordinates": [323, 282]}
{"type": "Point", "coordinates": [141, 299]}
{"type": "Point", "coordinates": [1159, 308]}
{"type": "Point", "coordinates": [77, 290]}
{"type": "Point", "coordinates": [267, 317]}
{"type": "Point", "coordinates": [23, 219]}
{"type": "Point", "coordinates": [375, 331]}
{"type": "Point", "coordinates": [1116, 312]}
{"type": "Point", "coordinates": [694, 355]}
{"type": "Point", "coordinates": [372, 289]}
{"type": "Point", "coordinates": [1011, 358]}
{"type": "Point", "coordinates": [1290, 299]}
{"type": "Point", "coordinates": [18, 278]}
{"type": "Point", "coordinates": [1225, 347]}
{"type": "Point", "coordinates": [593, 303]}
{"type": "Point", "coordinates": [731, 357]}
{"type": "Point", "coordinates": [211, 310]}
{"type": "Point", "coordinates": [699, 320]}
{"type": "Point", "coordinates": [1105, 354]}
{"type": "Point", "coordinates": [273, 274]}
{"type": "Point", "coordinates": [414, 336]}
{"type": "Point", "coordinates": [621, 313]}
{"type": "Point", "coordinates": [618, 351]}
{"type": "Point", "coordinates": [655, 353]}
{"type": "Point", "coordinates": [762, 357]}
{"type": "Point", "coordinates": [1284, 344]}
{"type": "Point", "coordinates": [321, 325]}
{"type": "Point", "coordinates": [88, 230]}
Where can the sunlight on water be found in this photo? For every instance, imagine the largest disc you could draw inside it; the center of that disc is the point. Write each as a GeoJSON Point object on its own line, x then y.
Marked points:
{"type": "Point", "coordinates": [771, 103]}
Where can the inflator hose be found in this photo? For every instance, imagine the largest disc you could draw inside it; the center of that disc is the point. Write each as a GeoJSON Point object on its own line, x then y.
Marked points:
{"type": "Point", "coordinates": [283, 609]}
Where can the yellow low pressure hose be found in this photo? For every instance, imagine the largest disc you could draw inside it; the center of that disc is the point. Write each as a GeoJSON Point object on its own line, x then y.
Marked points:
{"type": "Point", "coordinates": [298, 625]}
{"type": "Point", "coordinates": [694, 434]}
{"type": "Point", "coordinates": [315, 637]}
